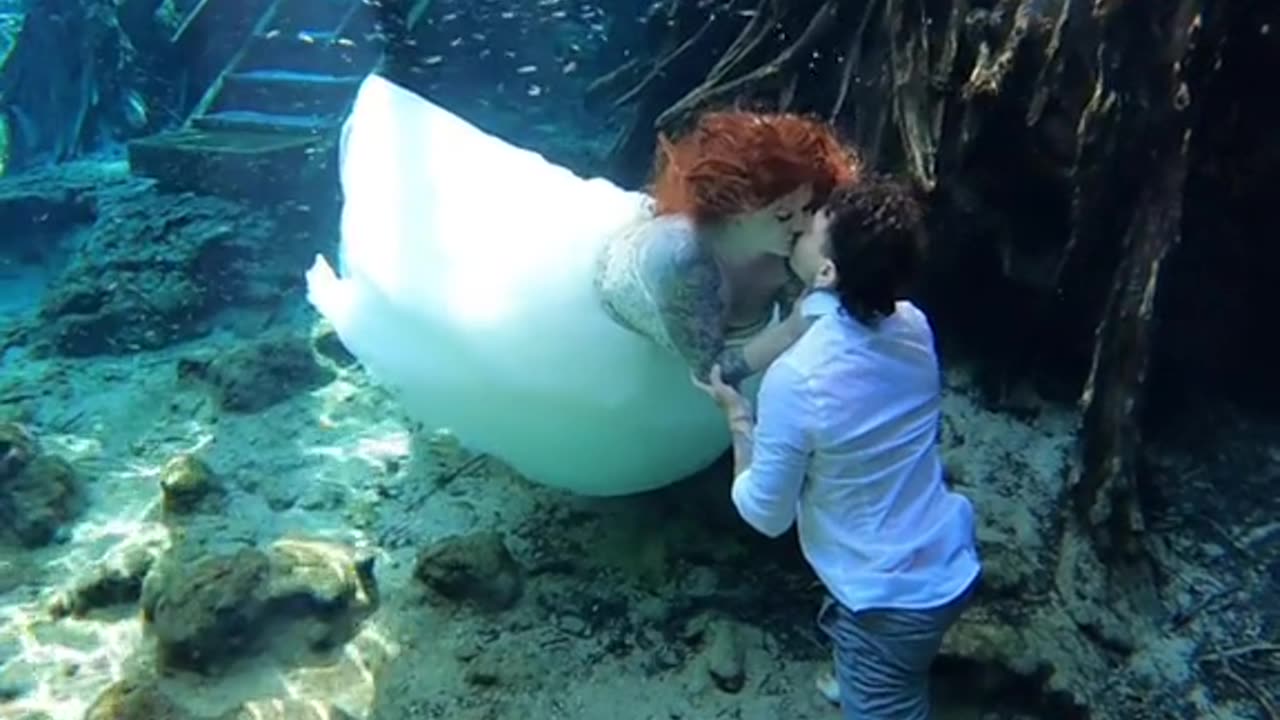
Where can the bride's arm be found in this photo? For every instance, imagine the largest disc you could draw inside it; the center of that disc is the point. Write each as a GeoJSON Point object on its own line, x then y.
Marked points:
{"type": "Point", "coordinates": [688, 287]}
{"type": "Point", "coordinates": [790, 293]}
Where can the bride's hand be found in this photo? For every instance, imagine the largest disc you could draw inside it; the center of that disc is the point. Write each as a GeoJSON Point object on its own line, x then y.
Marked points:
{"type": "Point", "coordinates": [730, 400]}
{"type": "Point", "coordinates": [796, 323]}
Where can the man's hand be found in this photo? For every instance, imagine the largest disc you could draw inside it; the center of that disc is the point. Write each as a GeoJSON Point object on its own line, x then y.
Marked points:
{"type": "Point", "coordinates": [735, 406]}
{"type": "Point", "coordinates": [738, 414]}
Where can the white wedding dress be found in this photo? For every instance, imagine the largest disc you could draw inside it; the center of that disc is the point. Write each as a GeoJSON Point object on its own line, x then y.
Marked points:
{"type": "Point", "coordinates": [466, 287]}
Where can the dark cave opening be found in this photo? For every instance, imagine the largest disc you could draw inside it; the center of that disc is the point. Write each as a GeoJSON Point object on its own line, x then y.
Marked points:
{"type": "Point", "coordinates": [991, 687]}
{"type": "Point", "coordinates": [1217, 300]}
{"type": "Point", "coordinates": [994, 249]}
{"type": "Point", "coordinates": [999, 221]}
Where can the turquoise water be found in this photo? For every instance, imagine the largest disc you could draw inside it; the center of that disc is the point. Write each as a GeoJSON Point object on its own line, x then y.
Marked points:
{"type": "Point", "coordinates": [237, 483]}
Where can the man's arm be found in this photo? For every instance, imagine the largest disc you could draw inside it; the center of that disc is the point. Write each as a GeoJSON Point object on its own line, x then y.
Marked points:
{"type": "Point", "coordinates": [771, 459]}
{"type": "Point", "coordinates": [688, 286]}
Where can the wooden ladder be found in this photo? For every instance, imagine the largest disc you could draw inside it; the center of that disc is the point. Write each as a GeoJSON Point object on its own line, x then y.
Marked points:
{"type": "Point", "coordinates": [287, 86]}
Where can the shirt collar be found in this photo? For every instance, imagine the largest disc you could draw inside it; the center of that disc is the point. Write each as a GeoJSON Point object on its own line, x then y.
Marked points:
{"type": "Point", "coordinates": [819, 303]}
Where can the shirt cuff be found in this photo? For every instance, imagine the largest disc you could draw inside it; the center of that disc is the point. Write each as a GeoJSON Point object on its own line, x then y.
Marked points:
{"type": "Point", "coordinates": [750, 510]}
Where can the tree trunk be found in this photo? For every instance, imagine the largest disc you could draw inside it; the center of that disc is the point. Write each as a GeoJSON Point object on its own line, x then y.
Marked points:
{"type": "Point", "coordinates": [1157, 62]}
{"type": "Point", "coordinates": [75, 80]}
{"type": "Point", "coordinates": [1091, 104]}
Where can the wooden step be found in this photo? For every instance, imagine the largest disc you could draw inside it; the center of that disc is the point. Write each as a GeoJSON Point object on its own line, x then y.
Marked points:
{"type": "Point", "coordinates": [287, 92]}
{"type": "Point", "coordinates": [255, 166]}
{"type": "Point", "coordinates": [292, 77]}
{"type": "Point", "coordinates": [319, 53]}
{"type": "Point", "coordinates": [214, 18]}
{"type": "Point", "coordinates": [316, 16]}
{"type": "Point", "coordinates": [248, 121]}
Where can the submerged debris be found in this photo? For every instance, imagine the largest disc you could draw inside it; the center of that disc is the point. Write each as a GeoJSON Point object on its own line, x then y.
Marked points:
{"type": "Point", "coordinates": [725, 655]}
{"type": "Point", "coordinates": [133, 699]}
{"type": "Point", "coordinates": [185, 481]}
{"type": "Point", "coordinates": [38, 492]}
{"type": "Point", "coordinates": [476, 569]}
{"type": "Point", "coordinates": [133, 269]}
{"type": "Point", "coordinates": [116, 580]}
{"type": "Point", "coordinates": [254, 376]}
{"type": "Point", "coordinates": [205, 613]}
{"type": "Point", "coordinates": [141, 698]}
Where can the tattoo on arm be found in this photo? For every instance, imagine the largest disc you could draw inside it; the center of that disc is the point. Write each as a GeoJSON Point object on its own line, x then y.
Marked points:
{"type": "Point", "coordinates": [686, 282]}
{"type": "Point", "coordinates": [734, 367]}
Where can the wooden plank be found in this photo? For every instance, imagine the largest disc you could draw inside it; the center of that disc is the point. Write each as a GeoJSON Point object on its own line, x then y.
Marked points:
{"type": "Point", "coordinates": [187, 21]}
{"type": "Point", "coordinates": [216, 87]}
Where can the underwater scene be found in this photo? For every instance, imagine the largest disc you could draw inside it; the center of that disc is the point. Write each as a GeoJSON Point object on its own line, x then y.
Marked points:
{"type": "Point", "coordinates": [639, 360]}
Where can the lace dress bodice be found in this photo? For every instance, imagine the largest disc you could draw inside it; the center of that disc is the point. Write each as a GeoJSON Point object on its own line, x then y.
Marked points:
{"type": "Point", "coordinates": [623, 289]}
{"type": "Point", "coordinates": [619, 279]}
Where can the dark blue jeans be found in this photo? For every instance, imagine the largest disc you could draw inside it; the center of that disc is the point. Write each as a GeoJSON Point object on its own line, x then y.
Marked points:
{"type": "Point", "coordinates": [882, 657]}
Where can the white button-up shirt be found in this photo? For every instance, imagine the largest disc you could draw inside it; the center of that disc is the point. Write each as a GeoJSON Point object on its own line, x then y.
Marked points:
{"type": "Point", "coordinates": [846, 447]}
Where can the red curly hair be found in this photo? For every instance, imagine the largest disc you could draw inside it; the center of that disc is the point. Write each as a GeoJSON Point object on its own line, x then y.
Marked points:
{"type": "Point", "coordinates": [736, 161]}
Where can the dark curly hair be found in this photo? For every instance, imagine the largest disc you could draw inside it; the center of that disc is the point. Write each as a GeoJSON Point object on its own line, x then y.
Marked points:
{"type": "Point", "coordinates": [877, 242]}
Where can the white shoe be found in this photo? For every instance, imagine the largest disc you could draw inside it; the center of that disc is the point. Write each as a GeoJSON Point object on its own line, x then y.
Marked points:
{"type": "Point", "coordinates": [828, 687]}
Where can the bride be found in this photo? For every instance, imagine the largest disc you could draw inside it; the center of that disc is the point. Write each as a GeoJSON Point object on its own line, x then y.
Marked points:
{"type": "Point", "coordinates": [552, 320]}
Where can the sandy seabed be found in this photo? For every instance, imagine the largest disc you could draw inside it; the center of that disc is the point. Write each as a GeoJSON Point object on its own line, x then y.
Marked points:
{"type": "Point", "coordinates": [662, 606]}
{"type": "Point", "coordinates": [626, 606]}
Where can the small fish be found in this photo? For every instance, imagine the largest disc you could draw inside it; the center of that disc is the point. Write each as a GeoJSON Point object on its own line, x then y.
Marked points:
{"type": "Point", "coordinates": [570, 67]}
{"type": "Point", "coordinates": [526, 69]}
{"type": "Point", "coordinates": [433, 60]}
{"type": "Point", "coordinates": [346, 42]}
{"type": "Point", "coordinates": [272, 34]}
{"type": "Point", "coordinates": [4, 144]}
{"type": "Point", "coordinates": [306, 37]}
{"type": "Point", "coordinates": [535, 90]}
{"type": "Point", "coordinates": [135, 109]}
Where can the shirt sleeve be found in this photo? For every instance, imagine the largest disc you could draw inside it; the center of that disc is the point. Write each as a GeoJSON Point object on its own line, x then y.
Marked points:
{"type": "Point", "coordinates": [766, 493]}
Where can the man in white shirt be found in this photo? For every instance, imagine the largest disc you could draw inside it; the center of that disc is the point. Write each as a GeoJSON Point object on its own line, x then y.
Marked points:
{"type": "Point", "coordinates": [845, 446]}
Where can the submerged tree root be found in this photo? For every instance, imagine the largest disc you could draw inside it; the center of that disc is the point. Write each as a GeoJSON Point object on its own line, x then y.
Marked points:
{"type": "Point", "coordinates": [1056, 138]}
{"type": "Point", "coordinates": [1114, 94]}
